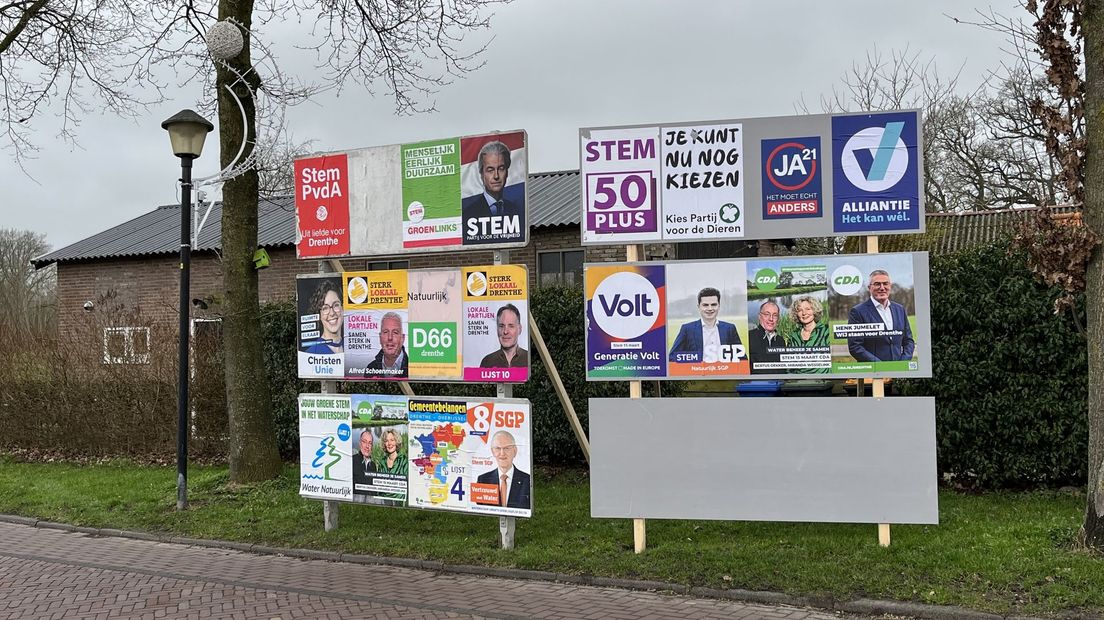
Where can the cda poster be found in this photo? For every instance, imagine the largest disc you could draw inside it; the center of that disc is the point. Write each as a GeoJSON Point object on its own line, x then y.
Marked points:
{"type": "Point", "coordinates": [834, 316]}
{"type": "Point", "coordinates": [470, 455]}
{"type": "Point", "coordinates": [456, 324]}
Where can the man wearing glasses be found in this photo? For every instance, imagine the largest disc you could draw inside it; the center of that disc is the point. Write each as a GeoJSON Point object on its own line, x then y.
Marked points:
{"type": "Point", "coordinates": [890, 336]}
{"type": "Point", "coordinates": [513, 484]}
{"type": "Point", "coordinates": [764, 337]}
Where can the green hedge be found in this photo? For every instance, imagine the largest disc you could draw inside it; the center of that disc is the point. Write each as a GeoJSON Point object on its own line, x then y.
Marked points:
{"type": "Point", "coordinates": [559, 315]}
{"type": "Point", "coordinates": [1009, 377]}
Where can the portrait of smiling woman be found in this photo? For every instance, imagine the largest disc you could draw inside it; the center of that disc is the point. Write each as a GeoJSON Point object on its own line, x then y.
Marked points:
{"type": "Point", "coordinates": [808, 330]}
{"type": "Point", "coordinates": [326, 301]}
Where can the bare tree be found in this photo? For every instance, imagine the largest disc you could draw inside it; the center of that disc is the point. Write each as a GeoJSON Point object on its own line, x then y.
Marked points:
{"type": "Point", "coordinates": [984, 148]}
{"type": "Point", "coordinates": [26, 294]}
{"type": "Point", "coordinates": [77, 55]}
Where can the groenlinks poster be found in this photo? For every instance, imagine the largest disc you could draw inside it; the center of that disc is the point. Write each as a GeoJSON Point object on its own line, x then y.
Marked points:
{"type": "Point", "coordinates": [435, 195]}
{"type": "Point", "coordinates": [465, 324]}
{"type": "Point", "coordinates": [828, 316]}
{"type": "Point", "coordinates": [455, 454]}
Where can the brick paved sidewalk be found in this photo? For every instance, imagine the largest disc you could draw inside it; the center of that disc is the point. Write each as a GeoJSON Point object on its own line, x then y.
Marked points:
{"type": "Point", "coordinates": [46, 573]}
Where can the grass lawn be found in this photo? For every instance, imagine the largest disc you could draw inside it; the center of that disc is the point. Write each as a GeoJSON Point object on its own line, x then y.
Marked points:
{"type": "Point", "coordinates": [1000, 552]}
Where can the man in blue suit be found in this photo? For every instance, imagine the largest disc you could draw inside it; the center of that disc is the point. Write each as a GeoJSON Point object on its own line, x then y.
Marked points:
{"type": "Point", "coordinates": [897, 342]}
{"type": "Point", "coordinates": [707, 339]}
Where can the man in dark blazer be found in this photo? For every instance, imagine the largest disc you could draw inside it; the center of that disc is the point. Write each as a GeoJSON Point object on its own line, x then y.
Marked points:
{"type": "Point", "coordinates": [879, 309]}
{"type": "Point", "coordinates": [707, 339]}
{"type": "Point", "coordinates": [364, 469]}
{"type": "Point", "coordinates": [765, 336]}
{"type": "Point", "coordinates": [514, 491]}
{"type": "Point", "coordinates": [392, 360]}
{"type": "Point", "coordinates": [494, 170]}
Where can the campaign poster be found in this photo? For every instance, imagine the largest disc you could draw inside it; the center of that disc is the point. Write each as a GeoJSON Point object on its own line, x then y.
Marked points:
{"type": "Point", "coordinates": [706, 319]}
{"type": "Point", "coordinates": [321, 327]}
{"type": "Point", "coordinates": [438, 466]}
{"type": "Point", "coordinates": [496, 324]}
{"type": "Point", "coordinates": [620, 172]}
{"type": "Point", "coordinates": [492, 186]}
{"type": "Point", "coordinates": [375, 324]}
{"type": "Point", "coordinates": [322, 206]}
{"type": "Point", "coordinates": [788, 313]}
{"type": "Point", "coordinates": [626, 327]}
{"type": "Point", "coordinates": [435, 311]}
{"type": "Point", "coordinates": [873, 310]}
{"type": "Point", "coordinates": [703, 185]}
{"type": "Point", "coordinates": [325, 446]}
{"type": "Point", "coordinates": [500, 440]}
{"type": "Point", "coordinates": [876, 174]}
{"type": "Point", "coordinates": [470, 456]}
{"type": "Point", "coordinates": [430, 193]}
{"type": "Point", "coordinates": [791, 178]}
{"type": "Point", "coordinates": [380, 449]}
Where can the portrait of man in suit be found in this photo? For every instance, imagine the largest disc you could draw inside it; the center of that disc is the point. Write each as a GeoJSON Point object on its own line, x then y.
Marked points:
{"type": "Point", "coordinates": [479, 210]}
{"type": "Point", "coordinates": [513, 484]}
{"type": "Point", "coordinates": [364, 469]}
{"type": "Point", "coordinates": [897, 342]}
{"type": "Point", "coordinates": [707, 339]}
{"type": "Point", "coordinates": [764, 337]}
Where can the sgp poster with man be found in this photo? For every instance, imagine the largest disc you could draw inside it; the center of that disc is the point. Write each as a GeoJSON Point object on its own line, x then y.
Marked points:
{"type": "Point", "coordinates": [375, 324]}
{"type": "Point", "coordinates": [706, 319]}
{"type": "Point", "coordinates": [496, 315]}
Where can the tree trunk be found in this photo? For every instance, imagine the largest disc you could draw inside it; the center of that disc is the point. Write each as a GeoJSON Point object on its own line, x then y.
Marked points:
{"type": "Point", "coordinates": [253, 453]}
{"type": "Point", "coordinates": [1092, 532]}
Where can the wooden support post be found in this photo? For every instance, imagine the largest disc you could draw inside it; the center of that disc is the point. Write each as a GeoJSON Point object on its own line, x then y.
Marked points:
{"type": "Point", "coordinates": [330, 510]}
{"type": "Point", "coordinates": [506, 525]}
{"type": "Point", "coordinates": [877, 388]}
{"type": "Point", "coordinates": [640, 534]}
{"type": "Point", "coordinates": [557, 383]}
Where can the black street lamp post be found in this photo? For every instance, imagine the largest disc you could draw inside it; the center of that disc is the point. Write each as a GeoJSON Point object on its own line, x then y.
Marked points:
{"type": "Point", "coordinates": [187, 131]}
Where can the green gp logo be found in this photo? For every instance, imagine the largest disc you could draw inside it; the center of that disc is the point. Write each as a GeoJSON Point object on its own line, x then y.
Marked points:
{"type": "Point", "coordinates": [766, 279]}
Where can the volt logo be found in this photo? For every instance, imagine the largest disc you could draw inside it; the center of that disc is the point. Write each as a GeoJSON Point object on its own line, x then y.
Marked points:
{"type": "Point", "coordinates": [625, 305]}
{"type": "Point", "coordinates": [876, 158]}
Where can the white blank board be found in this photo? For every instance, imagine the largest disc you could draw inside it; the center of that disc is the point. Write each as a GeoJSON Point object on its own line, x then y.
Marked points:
{"type": "Point", "coordinates": [843, 460]}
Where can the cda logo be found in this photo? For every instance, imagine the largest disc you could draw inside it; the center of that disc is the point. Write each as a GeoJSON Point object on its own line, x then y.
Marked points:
{"type": "Point", "coordinates": [477, 283]}
{"type": "Point", "coordinates": [847, 280]}
{"type": "Point", "coordinates": [625, 305]}
{"type": "Point", "coordinates": [766, 279]}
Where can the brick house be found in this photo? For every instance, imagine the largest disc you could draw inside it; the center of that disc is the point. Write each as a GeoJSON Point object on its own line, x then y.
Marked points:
{"type": "Point", "coordinates": [131, 270]}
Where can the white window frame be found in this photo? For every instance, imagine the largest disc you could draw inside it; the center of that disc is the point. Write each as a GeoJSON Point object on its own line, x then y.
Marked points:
{"type": "Point", "coordinates": [129, 356]}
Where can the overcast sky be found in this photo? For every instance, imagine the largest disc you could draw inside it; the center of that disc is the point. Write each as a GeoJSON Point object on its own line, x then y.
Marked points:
{"type": "Point", "coordinates": [552, 67]}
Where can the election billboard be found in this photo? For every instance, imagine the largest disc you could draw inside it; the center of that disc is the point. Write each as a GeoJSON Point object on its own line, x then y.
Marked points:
{"type": "Point", "coordinates": [466, 324]}
{"type": "Point", "coordinates": [431, 196]}
{"type": "Point", "coordinates": [761, 178]}
{"type": "Point", "coordinates": [840, 316]}
{"type": "Point", "coordinates": [469, 455]}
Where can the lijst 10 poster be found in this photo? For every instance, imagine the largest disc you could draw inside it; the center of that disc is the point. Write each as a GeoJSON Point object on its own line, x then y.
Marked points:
{"type": "Point", "coordinates": [466, 324]}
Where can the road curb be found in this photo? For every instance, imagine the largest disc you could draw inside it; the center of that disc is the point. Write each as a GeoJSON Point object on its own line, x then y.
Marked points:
{"type": "Point", "coordinates": [858, 606]}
